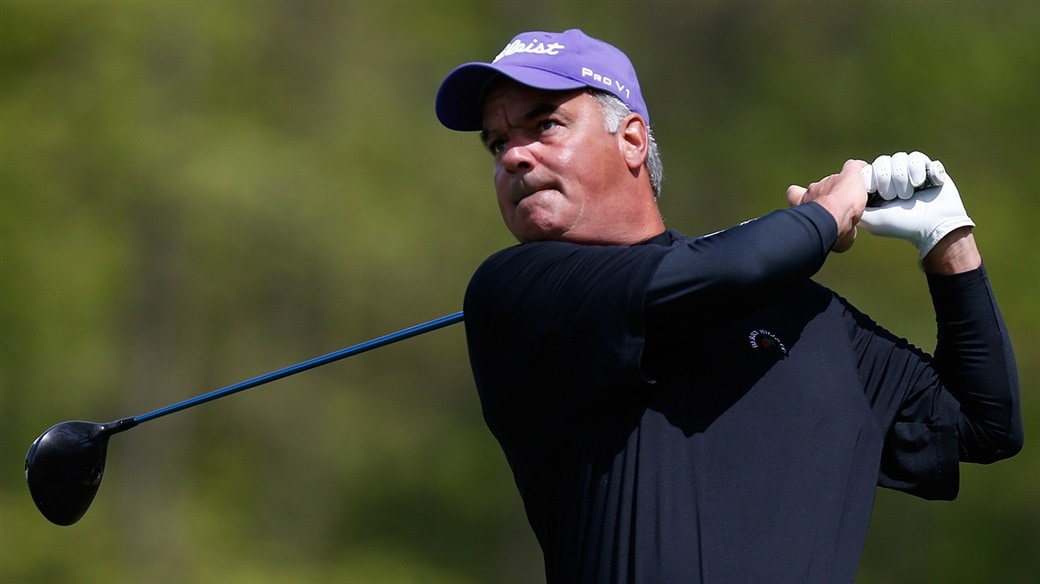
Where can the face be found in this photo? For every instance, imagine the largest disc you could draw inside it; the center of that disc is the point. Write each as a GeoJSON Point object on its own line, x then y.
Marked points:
{"type": "Point", "coordinates": [559, 175]}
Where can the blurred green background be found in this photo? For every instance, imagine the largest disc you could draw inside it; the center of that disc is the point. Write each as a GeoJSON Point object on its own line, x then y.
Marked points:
{"type": "Point", "coordinates": [195, 193]}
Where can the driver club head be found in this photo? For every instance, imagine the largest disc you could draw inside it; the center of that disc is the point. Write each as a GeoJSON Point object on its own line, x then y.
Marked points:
{"type": "Point", "coordinates": [64, 467]}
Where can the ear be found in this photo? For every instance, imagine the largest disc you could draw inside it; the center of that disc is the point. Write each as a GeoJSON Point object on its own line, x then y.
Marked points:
{"type": "Point", "coordinates": [634, 141]}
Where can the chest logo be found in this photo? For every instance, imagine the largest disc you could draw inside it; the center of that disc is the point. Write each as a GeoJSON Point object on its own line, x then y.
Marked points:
{"type": "Point", "coordinates": [763, 340]}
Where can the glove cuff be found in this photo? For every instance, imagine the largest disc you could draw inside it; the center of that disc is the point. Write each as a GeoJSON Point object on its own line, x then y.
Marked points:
{"type": "Point", "coordinates": [940, 231]}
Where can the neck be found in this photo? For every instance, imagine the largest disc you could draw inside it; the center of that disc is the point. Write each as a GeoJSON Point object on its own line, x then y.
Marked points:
{"type": "Point", "coordinates": [628, 226]}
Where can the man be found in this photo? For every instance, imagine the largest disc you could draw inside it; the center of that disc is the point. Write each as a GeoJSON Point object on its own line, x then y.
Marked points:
{"type": "Point", "coordinates": [698, 410]}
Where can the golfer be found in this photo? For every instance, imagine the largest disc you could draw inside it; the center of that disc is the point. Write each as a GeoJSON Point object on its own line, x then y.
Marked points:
{"type": "Point", "coordinates": [679, 409]}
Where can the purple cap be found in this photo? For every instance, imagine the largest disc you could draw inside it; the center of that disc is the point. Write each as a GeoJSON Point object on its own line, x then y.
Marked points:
{"type": "Point", "coordinates": [544, 60]}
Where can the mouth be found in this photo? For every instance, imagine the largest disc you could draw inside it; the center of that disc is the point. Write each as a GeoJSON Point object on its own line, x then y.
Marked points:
{"type": "Point", "coordinates": [523, 191]}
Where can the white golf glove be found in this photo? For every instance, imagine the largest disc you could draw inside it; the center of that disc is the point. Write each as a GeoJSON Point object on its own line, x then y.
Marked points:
{"type": "Point", "coordinates": [922, 217]}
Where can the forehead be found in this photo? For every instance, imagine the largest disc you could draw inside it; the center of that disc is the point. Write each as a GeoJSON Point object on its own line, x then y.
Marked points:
{"type": "Point", "coordinates": [518, 101]}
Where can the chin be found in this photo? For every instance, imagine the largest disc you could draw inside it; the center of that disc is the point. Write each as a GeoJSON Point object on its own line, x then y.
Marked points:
{"type": "Point", "coordinates": [529, 233]}
{"type": "Point", "coordinates": [537, 226]}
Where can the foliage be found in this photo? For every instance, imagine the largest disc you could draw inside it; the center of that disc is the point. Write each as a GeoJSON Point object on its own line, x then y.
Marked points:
{"type": "Point", "coordinates": [195, 193]}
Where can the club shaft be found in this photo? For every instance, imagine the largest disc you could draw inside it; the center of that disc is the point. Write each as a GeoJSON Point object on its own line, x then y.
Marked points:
{"type": "Point", "coordinates": [382, 341]}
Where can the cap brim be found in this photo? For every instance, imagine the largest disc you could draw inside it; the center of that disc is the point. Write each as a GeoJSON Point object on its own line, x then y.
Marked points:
{"type": "Point", "coordinates": [459, 99]}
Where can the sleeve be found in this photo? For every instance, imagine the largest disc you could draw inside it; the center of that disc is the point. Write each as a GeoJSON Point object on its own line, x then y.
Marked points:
{"type": "Point", "coordinates": [960, 405]}
{"type": "Point", "coordinates": [977, 364]}
{"type": "Point", "coordinates": [717, 276]}
{"type": "Point", "coordinates": [581, 312]}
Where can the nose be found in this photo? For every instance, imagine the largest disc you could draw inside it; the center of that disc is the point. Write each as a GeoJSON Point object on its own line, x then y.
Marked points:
{"type": "Point", "coordinates": [518, 155]}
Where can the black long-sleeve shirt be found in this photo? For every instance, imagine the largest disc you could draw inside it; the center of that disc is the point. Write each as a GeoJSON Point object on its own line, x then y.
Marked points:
{"type": "Point", "coordinates": [699, 410]}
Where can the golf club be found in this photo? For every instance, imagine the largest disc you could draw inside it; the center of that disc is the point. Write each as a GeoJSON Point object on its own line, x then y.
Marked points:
{"type": "Point", "coordinates": [65, 464]}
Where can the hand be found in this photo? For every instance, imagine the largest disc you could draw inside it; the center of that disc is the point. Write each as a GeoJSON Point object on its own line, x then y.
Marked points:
{"type": "Point", "coordinates": [843, 195]}
{"type": "Point", "coordinates": [901, 174]}
{"type": "Point", "coordinates": [923, 217]}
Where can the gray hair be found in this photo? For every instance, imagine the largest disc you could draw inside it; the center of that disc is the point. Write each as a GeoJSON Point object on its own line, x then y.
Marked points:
{"type": "Point", "coordinates": [614, 111]}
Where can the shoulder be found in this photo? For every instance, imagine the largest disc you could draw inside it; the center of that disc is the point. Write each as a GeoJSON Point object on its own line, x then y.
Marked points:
{"type": "Point", "coordinates": [534, 251]}
{"type": "Point", "coordinates": [562, 258]}
{"type": "Point", "coordinates": [561, 274]}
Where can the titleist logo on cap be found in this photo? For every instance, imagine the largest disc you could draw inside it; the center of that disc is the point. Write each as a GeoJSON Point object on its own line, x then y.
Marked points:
{"type": "Point", "coordinates": [535, 47]}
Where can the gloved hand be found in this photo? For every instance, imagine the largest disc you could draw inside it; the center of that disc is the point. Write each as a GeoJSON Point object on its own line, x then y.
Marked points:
{"type": "Point", "coordinates": [923, 217]}
{"type": "Point", "coordinates": [901, 174]}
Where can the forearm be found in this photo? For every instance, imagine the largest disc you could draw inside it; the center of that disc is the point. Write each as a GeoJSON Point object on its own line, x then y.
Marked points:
{"type": "Point", "coordinates": [976, 363]}
{"type": "Point", "coordinates": [705, 275]}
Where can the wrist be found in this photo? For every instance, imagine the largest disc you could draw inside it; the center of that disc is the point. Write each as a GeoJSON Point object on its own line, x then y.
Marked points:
{"type": "Point", "coordinates": [954, 254]}
{"type": "Point", "coordinates": [844, 215]}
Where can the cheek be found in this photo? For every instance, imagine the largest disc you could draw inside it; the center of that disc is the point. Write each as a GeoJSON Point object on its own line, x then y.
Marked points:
{"type": "Point", "coordinates": [566, 156]}
{"type": "Point", "coordinates": [505, 206]}
{"type": "Point", "coordinates": [501, 183]}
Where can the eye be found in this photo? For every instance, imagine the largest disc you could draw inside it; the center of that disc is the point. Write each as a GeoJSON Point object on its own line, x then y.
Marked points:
{"type": "Point", "coordinates": [495, 147]}
{"type": "Point", "coordinates": [547, 124]}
